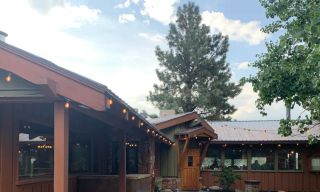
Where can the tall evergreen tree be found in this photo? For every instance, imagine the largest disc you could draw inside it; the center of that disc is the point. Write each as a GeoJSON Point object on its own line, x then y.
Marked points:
{"type": "Point", "coordinates": [194, 73]}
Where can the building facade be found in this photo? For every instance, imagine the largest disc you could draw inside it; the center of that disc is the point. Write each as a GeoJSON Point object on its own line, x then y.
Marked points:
{"type": "Point", "coordinates": [63, 132]}
{"type": "Point", "coordinates": [253, 149]}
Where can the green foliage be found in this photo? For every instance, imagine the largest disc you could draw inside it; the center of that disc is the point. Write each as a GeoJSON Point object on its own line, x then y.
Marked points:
{"type": "Point", "coordinates": [226, 177]}
{"type": "Point", "coordinates": [194, 74]}
{"type": "Point", "coordinates": [290, 69]}
{"type": "Point", "coordinates": [145, 114]}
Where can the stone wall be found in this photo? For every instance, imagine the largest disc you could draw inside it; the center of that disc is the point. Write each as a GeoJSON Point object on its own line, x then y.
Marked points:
{"type": "Point", "coordinates": [168, 184]}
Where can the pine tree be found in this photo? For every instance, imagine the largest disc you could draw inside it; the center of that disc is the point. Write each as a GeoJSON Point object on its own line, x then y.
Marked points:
{"type": "Point", "coordinates": [194, 73]}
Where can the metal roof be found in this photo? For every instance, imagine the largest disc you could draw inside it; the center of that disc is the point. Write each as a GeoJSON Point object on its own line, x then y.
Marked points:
{"type": "Point", "coordinates": [256, 131]}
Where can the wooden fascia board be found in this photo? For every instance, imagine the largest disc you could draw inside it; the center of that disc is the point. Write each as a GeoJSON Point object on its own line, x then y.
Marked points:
{"type": "Point", "coordinates": [65, 86]}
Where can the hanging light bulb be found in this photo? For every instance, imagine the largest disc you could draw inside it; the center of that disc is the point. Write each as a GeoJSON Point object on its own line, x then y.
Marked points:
{"type": "Point", "coordinates": [124, 111]}
{"type": "Point", "coordinates": [141, 124]}
{"type": "Point", "coordinates": [8, 78]}
{"type": "Point", "coordinates": [67, 105]}
{"type": "Point", "coordinates": [133, 118]}
{"type": "Point", "coordinates": [148, 130]}
{"type": "Point", "coordinates": [109, 102]}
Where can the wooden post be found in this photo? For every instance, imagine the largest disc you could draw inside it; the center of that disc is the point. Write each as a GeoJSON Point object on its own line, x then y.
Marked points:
{"type": "Point", "coordinates": [122, 165]}
{"type": "Point", "coordinates": [61, 148]}
{"type": "Point", "coordinates": [204, 152]}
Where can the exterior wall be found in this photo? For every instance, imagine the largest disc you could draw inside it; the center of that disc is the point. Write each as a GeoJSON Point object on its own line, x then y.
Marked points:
{"type": "Point", "coordinates": [44, 186]}
{"type": "Point", "coordinates": [141, 183]}
{"type": "Point", "coordinates": [6, 148]}
{"type": "Point", "coordinates": [169, 155]}
{"type": "Point", "coordinates": [9, 181]}
{"type": "Point", "coordinates": [304, 180]}
{"type": "Point", "coordinates": [274, 181]}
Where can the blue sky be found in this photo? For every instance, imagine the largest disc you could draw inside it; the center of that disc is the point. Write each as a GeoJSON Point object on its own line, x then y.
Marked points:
{"type": "Point", "coordinates": [113, 41]}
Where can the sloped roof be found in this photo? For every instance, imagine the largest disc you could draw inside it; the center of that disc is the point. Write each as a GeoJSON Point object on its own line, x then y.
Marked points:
{"type": "Point", "coordinates": [255, 131]}
{"type": "Point", "coordinates": [50, 66]}
{"type": "Point", "coordinates": [196, 132]}
{"type": "Point", "coordinates": [168, 118]}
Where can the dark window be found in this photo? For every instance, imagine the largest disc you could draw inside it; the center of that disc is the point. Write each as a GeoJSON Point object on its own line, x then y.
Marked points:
{"type": "Point", "coordinates": [213, 159]}
{"type": "Point", "coordinates": [289, 159]}
{"type": "Point", "coordinates": [35, 150]}
{"type": "Point", "coordinates": [80, 154]}
{"type": "Point", "coordinates": [115, 157]}
{"type": "Point", "coordinates": [236, 158]}
{"type": "Point", "coordinates": [190, 161]}
{"type": "Point", "coordinates": [132, 160]}
{"type": "Point", "coordinates": [262, 159]}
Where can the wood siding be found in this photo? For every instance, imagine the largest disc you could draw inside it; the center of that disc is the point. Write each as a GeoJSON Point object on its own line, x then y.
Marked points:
{"type": "Point", "coordinates": [274, 181]}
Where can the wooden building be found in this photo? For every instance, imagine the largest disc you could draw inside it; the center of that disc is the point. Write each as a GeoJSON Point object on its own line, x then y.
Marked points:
{"type": "Point", "coordinates": [253, 149]}
{"type": "Point", "coordinates": [63, 132]}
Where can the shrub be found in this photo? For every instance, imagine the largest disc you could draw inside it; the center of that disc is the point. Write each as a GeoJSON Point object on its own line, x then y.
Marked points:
{"type": "Point", "coordinates": [226, 177]}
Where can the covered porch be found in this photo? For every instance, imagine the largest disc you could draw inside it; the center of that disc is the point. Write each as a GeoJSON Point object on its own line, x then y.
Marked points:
{"type": "Point", "coordinates": [62, 132]}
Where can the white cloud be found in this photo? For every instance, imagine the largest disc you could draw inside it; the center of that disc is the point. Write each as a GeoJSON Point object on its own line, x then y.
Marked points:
{"type": "Point", "coordinates": [69, 16]}
{"type": "Point", "coordinates": [243, 65]}
{"type": "Point", "coordinates": [235, 29]}
{"type": "Point", "coordinates": [125, 18]}
{"type": "Point", "coordinates": [126, 4]}
{"type": "Point", "coordinates": [162, 11]}
{"type": "Point", "coordinates": [45, 34]}
{"type": "Point", "coordinates": [154, 38]}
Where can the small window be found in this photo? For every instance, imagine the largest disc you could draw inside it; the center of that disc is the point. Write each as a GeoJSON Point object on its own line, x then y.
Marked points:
{"type": "Point", "coordinates": [190, 161]}
{"type": "Point", "coordinates": [315, 164]}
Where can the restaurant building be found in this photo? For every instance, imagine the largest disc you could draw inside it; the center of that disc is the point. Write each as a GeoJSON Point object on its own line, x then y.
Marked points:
{"type": "Point", "coordinates": [253, 149]}
{"type": "Point", "coordinates": [61, 132]}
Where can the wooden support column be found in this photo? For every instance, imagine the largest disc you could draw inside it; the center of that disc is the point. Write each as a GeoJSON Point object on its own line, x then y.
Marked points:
{"type": "Point", "coordinates": [122, 165]}
{"type": "Point", "coordinates": [61, 148]}
{"type": "Point", "coordinates": [204, 152]}
{"type": "Point", "coordinates": [6, 147]}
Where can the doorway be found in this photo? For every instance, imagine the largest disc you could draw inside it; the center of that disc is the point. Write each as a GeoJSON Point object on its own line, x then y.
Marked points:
{"type": "Point", "coordinates": [190, 170]}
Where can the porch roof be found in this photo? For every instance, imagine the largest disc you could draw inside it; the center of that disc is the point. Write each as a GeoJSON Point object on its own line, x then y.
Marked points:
{"type": "Point", "coordinates": [66, 84]}
{"type": "Point", "coordinates": [197, 132]}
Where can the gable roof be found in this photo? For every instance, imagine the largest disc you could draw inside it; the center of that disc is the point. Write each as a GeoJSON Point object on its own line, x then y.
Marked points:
{"type": "Point", "coordinates": [255, 132]}
{"type": "Point", "coordinates": [173, 120]}
{"type": "Point", "coordinates": [63, 82]}
{"type": "Point", "coordinates": [168, 118]}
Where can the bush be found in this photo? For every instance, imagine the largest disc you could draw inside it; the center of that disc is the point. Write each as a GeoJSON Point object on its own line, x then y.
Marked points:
{"type": "Point", "coordinates": [226, 177]}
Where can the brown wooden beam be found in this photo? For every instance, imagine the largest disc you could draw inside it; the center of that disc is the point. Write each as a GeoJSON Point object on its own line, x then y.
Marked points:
{"type": "Point", "coordinates": [105, 117]}
{"type": "Point", "coordinates": [204, 152]}
{"type": "Point", "coordinates": [184, 150]}
{"type": "Point", "coordinates": [61, 147]}
{"type": "Point", "coordinates": [122, 165]}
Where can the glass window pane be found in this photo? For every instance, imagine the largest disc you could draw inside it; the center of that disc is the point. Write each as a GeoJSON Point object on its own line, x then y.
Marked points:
{"type": "Point", "coordinates": [315, 164]}
{"type": "Point", "coordinates": [289, 159]}
{"type": "Point", "coordinates": [262, 159]}
{"type": "Point", "coordinates": [213, 159]}
{"type": "Point", "coordinates": [132, 160]}
{"type": "Point", "coordinates": [79, 155]}
{"type": "Point", "coordinates": [236, 158]}
{"type": "Point", "coordinates": [35, 150]}
{"type": "Point", "coordinates": [190, 161]}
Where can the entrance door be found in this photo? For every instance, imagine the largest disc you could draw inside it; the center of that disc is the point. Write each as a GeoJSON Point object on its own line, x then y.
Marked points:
{"type": "Point", "coordinates": [190, 170]}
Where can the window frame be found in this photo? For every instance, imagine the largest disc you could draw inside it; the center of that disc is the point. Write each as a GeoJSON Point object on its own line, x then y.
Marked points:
{"type": "Point", "coordinates": [249, 150]}
{"type": "Point", "coordinates": [316, 156]}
